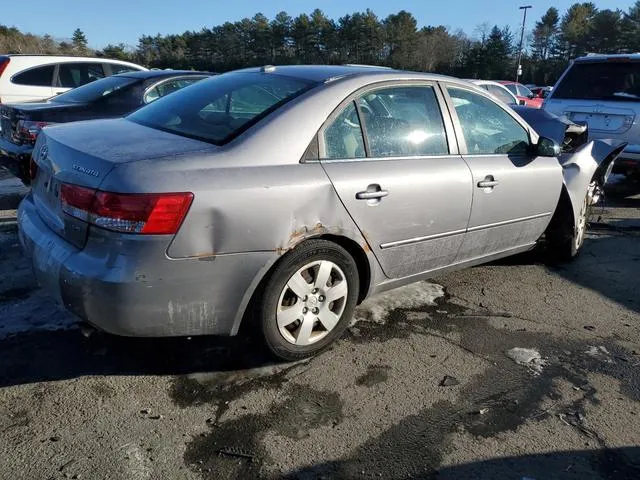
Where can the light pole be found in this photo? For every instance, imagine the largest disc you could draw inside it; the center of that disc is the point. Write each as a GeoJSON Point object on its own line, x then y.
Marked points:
{"type": "Point", "coordinates": [524, 8]}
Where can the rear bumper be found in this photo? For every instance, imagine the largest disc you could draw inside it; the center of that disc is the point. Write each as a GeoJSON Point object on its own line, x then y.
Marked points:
{"type": "Point", "coordinates": [15, 158]}
{"type": "Point", "coordinates": [127, 286]}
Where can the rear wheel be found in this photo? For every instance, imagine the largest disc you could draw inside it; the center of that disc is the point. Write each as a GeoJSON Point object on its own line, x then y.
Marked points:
{"type": "Point", "coordinates": [308, 300]}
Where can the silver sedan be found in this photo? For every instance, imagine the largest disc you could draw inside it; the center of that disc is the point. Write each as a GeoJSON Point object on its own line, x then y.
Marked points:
{"type": "Point", "coordinates": [283, 196]}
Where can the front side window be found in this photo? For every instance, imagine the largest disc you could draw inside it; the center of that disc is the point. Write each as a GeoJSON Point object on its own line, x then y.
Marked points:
{"type": "Point", "coordinates": [343, 138]}
{"type": "Point", "coordinates": [167, 87]}
{"type": "Point", "coordinates": [487, 127]}
{"type": "Point", "coordinates": [403, 121]}
{"type": "Point", "coordinates": [512, 88]}
{"type": "Point", "coordinates": [72, 75]}
{"type": "Point", "coordinates": [117, 68]}
{"type": "Point", "coordinates": [218, 109]}
{"type": "Point", "coordinates": [35, 77]}
{"type": "Point", "coordinates": [524, 91]}
{"type": "Point", "coordinates": [501, 94]}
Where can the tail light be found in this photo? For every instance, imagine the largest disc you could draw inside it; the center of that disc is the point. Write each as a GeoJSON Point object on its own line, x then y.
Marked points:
{"type": "Point", "coordinates": [27, 131]}
{"type": "Point", "coordinates": [33, 168]}
{"type": "Point", "coordinates": [3, 64]}
{"type": "Point", "coordinates": [144, 213]}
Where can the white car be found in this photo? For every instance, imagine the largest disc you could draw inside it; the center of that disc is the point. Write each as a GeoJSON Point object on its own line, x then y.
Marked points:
{"type": "Point", "coordinates": [500, 92]}
{"type": "Point", "coordinates": [25, 78]}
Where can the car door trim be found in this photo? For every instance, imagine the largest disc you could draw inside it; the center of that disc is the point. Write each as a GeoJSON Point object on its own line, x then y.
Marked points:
{"type": "Point", "coordinates": [508, 222]}
{"type": "Point", "coordinates": [409, 241]}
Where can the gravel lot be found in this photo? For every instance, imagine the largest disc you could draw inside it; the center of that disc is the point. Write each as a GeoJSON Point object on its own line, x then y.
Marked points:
{"type": "Point", "coordinates": [512, 370]}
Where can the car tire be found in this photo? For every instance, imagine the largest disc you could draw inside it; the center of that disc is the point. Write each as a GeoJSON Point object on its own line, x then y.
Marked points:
{"type": "Point", "coordinates": [308, 300]}
{"type": "Point", "coordinates": [565, 238]}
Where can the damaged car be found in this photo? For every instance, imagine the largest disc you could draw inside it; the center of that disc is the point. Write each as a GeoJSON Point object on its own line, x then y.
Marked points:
{"type": "Point", "coordinates": [281, 197]}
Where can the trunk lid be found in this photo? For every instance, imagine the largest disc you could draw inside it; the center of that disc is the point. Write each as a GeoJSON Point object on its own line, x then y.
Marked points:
{"type": "Point", "coordinates": [611, 117]}
{"type": "Point", "coordinates": [83, 154]}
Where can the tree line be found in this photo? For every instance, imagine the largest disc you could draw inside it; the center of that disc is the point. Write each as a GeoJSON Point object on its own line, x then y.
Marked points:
{"type": "Point", "coordinates": [397, 41]}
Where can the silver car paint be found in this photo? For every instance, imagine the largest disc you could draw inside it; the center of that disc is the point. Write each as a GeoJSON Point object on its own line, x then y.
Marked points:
{"type": "Point", "coordinates": [254, 200]}
{"type": "Point", "coordinates": [589, 162]}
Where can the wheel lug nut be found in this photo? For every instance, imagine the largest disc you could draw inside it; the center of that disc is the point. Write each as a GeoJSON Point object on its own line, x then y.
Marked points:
{"type": "Point", "coordinates": [305, 310]}
{"type": "Point", "coordinates": [321, 298]}
{"type": "Point", "coordinates": [305, 298]}
{"type": "Point", "coordinates": [315, 290]}
{"type": "Point", "coordinates": [315, 310]}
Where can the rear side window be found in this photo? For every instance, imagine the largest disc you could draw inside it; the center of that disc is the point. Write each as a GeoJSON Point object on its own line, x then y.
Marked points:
{"type": "Point", "coordinates": [72, 75]}
{"type": "Point", "coordinates": [167, 87]}
{"type": "Point", "coordinates": [220, 108]}
{"type": "Point", "coordinates": [600, 81]}
{"type": "Point", "coordinates": [403, 121]}
{"type": "Point", "coordinates": [343, 138]}
{"type": "Point", "coordinates": [35, 77]}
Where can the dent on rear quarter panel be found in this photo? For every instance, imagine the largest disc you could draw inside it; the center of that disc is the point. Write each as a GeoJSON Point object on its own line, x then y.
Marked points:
{"type": "Point", "coordinates": [242, 209]}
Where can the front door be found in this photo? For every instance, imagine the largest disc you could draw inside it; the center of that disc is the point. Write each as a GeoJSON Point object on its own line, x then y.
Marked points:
{"type": "Point", "coordinates": [515, 192]}
{"type": "Point", "coordinates": [402, 181]}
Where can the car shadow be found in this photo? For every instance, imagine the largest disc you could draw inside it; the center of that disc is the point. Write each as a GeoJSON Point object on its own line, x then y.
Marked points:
{"type": "Point", "coordinates": [64, 354]}
{"type": "Point", "coordinates": [604, 463]}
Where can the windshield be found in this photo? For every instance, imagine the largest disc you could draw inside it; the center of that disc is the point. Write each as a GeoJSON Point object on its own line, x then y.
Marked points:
{"type": "Point", "coordinates": [219, 109]}
{"type": "Point", "coordinates": [601, 81]}
{"type": "Point", "coordinates": [95, 90]}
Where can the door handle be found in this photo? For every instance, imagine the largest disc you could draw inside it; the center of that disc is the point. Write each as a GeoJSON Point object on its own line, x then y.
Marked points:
{"type": "Point", "coordinates": [371, 195]}
{"type": "Point", "coordinates": [488, 182]}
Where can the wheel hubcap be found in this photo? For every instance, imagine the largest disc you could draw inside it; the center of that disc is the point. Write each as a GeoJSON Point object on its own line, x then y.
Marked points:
{"type": "Point", "coordinates": [312, 303]}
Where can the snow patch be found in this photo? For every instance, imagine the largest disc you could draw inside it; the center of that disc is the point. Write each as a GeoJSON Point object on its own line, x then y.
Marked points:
{"type": "Point", "coordinates": [36, 312]}
{"type": "Point", "coordinates": [528, 357]}
{"type": "Point", "coordinates": [376, 308]}
{"type": "Point", "coordinates": [601, 353]}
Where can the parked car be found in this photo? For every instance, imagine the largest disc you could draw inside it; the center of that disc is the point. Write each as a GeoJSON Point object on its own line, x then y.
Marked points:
{"type": "Point", "coordinates": [109, 97]}
{"type": "Point", "coordinates": [526, 96]}
{"type": "Point", "coordinates": [603, 91]}
{"type": "Point", "coordinates": [499, 91]}
{"type": "Point", "coordinates": [284, 196]}
{"type": "Point", "coordinates": [541, 92]}
{"type": "Point", "coordinates": [25, 78]}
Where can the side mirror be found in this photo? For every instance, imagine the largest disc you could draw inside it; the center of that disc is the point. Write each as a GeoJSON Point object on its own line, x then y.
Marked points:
{"type": "Point", "coordinates": [547, 148]}
{"type": "Point", "coordinates": [521, 102]}
{"type": "Point", "coordinates": [531, 95]}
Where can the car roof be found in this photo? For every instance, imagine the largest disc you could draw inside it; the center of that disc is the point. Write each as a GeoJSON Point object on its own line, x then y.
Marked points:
{"type": "Point", "coordinates": [600, 57]}
{"type": "Point", "coordinates": [145, 74]}
{"type": "Point", "coordinates": [63, 57]}
{"type": "Point", "coordinates": [326, 73]}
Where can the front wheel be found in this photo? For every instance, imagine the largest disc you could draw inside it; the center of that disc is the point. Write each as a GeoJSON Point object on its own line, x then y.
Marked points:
{"type": "Point", "coordinates": [564, 241]}
{"type": "Point", "coordinates": [309, 300]}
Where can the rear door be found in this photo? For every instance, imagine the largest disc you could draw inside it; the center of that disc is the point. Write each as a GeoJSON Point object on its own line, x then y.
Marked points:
{"type": "Point", "coordinates": [393, 160]}
{"type": "Point", "coordinates": [75, 74]}
{"type": "Point", "coordinates": [514, 192]}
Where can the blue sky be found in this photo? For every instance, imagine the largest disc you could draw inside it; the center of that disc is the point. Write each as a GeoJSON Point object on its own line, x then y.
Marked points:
{"type": "Point", "coordinates": [114, 21]}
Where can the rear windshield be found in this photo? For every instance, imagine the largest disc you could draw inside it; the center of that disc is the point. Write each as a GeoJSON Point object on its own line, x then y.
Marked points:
{"type": "Point", "coordinates": [219, 109]}
{"type": "Point", "coordinates": [95, 90]}
{"type": "Point", "coordinates": [601, 81]}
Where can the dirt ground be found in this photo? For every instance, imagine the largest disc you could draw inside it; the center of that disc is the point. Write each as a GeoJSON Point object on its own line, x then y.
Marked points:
{"type": "Point", "coordinates": [512, 370]}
